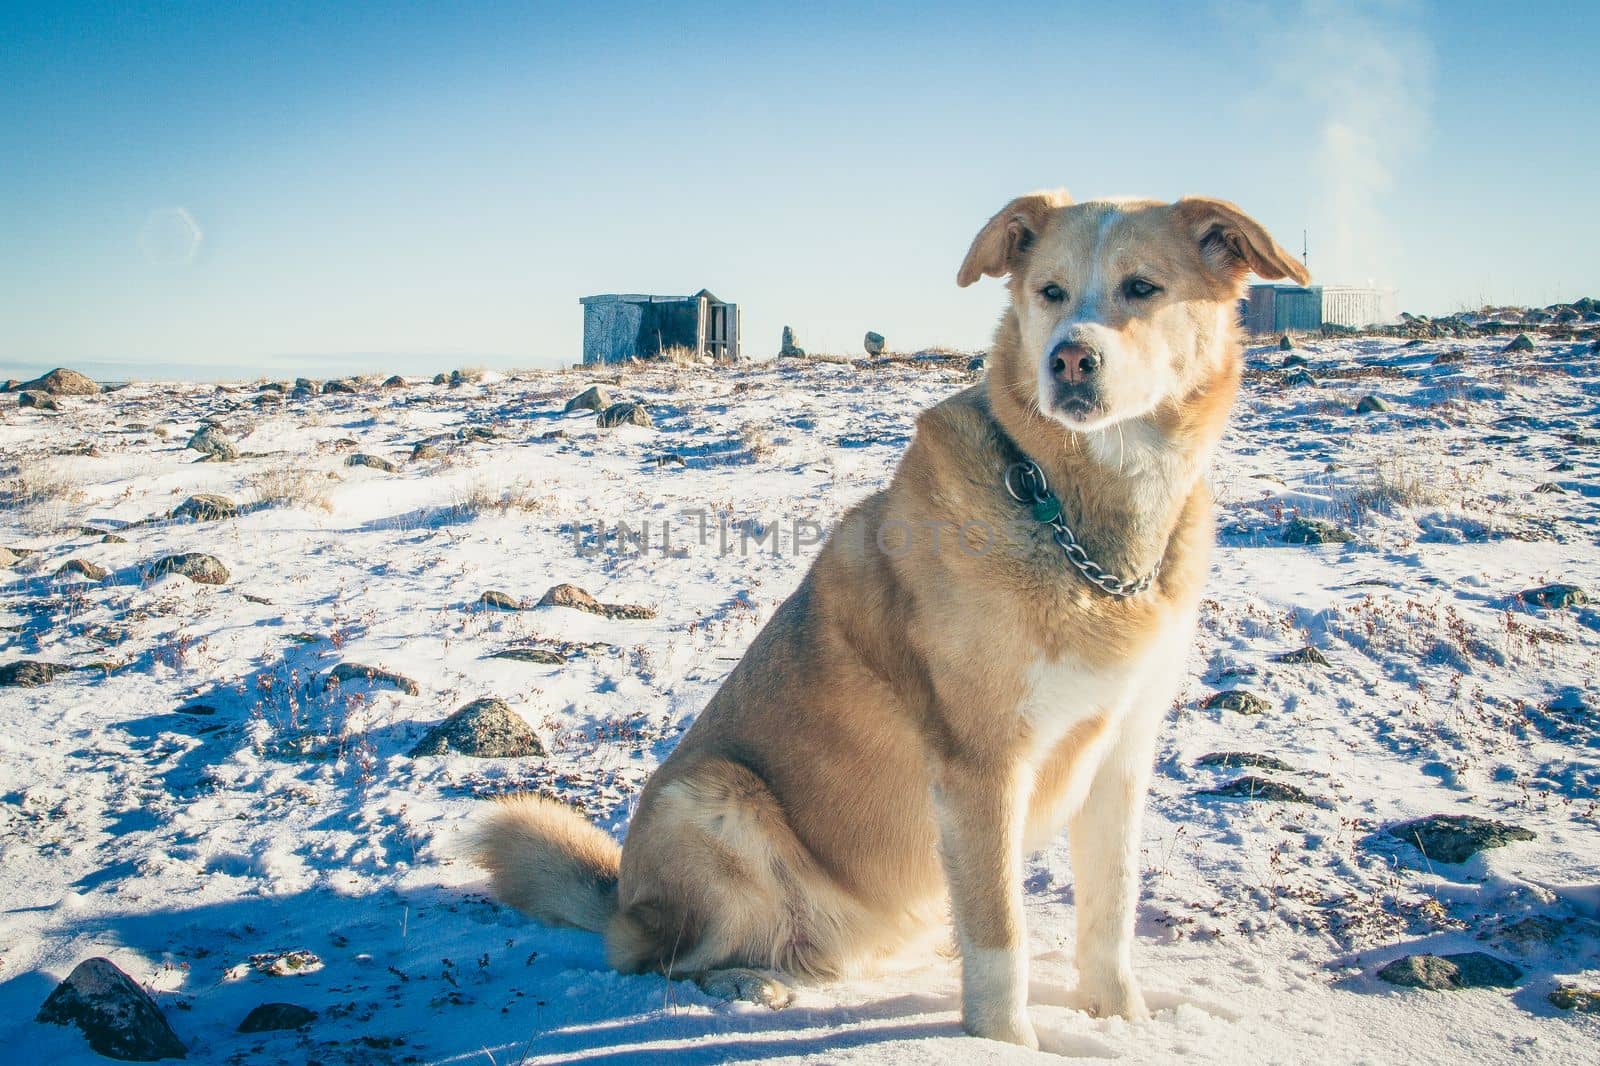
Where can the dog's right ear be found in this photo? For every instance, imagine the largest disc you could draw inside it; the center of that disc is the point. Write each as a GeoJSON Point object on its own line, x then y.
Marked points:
{"type": "Point", "coordinates": [1000, 246]}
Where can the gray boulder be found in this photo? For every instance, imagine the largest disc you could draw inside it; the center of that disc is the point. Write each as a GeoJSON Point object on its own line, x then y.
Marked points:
{"type": "Point", "coordinates": [1259, 788]}
{"type": "Point", "coordinates": [873, 343]}
{"type": "Point", "coordinates": [373, 462]}
{"type": "Point", "coordinates": [345, 672]}
{"type": "Point", "coordinates": [500, 601]}
{"type": "Point", "coordinates": [1227, 760]}
{"type": "Point", "coordinates": [1555, 596]}
{"type": "Point", "coordinates": [1520, 343]}
{"type": "Point", "coordinates": [789, 348]}
{"type": "Point", "coordinates": [206, 507]}
{"type": "Point", "coordinates": [1372, 405]}
{"type": "Point", "coordinates": [576, 598]}
{"type": "Point", "coordinates": [594, 398]}
{"type": "Point", "coordinates": [83, 568]}
{"type": "Point", "coordinates": [1449, 973]}
{"type": "Point", "coordinates": [624, 414]}
{"type": "Point", "coordinates": [1240, 700]}
{"type": "Point", "coordinates": [39, 401]}
{"type": "Point", "coordinates": [196, 566]}
{"type": "Point", "coordinates": [30, 673]}
{"type": "Point", "coordinates": [272, 1017]}
{"type": "Point", "coordinates": [62, 382]}
{"type": "Point", "coordinates": [485, 729]}
{"type": "Point", "coordinates": [116, 1016]}
{"type": "Point", "coordinates": [212, 442]}
{"type": "Point", "coordinates": [1314, 531]}
{"type": "Point", "coordinates": [1456, 838]}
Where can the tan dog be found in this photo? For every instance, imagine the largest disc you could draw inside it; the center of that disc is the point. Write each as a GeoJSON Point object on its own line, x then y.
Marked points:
{"type": "Point", "coordinates": [973, 661]}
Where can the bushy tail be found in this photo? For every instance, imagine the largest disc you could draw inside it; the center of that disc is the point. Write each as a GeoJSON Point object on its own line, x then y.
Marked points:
{"type": "Point", "coordinates": [547, 862]}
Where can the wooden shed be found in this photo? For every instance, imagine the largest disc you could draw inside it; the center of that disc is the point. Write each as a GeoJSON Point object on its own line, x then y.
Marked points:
{"type": "Point", "coordinates": [622, 326]}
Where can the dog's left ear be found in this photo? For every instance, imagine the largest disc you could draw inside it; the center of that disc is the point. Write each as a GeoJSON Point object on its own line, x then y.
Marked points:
{"type": "Point", "coordinates": [1000, 246]}
{"type": "Point", "coordinates": [1232, 242]}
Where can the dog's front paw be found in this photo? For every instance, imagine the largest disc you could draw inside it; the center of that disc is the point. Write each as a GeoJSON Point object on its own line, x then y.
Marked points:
{"type": "Point", "coordinates": [1113, 995]}
{"type": "Point", "coordinates": [1012, 1029]}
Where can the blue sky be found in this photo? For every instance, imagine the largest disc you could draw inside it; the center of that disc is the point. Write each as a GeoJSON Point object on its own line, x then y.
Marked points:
{"type": "Point", "coordinates": [285, 188]}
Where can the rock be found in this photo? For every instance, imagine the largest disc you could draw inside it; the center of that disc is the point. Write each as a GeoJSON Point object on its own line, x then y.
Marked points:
{"type": "Point", "coordinates": [294, 963]}
{"type": "Point", "coordinates": [1520, 343]}
{"type": "Point", "coordinates": [62, 382]}
{"type": "Point", "coordinates": [440, 379]}
{"type": "Point", "coordinates": [1298, 378]}
{"type": "Point", "coordinates": [1303, 657]}
{"type": "Point", "coordinates": [1448, 973]}
{"type": "Point", "coordinates": [83, 568]}
{"type": "Point", "coordinates": [375, 462]}
{"type": "Point", "coordinates": [331, 387]}
{"type": "Point", "coordinates": [484, 729]}
{"type": "Point", "coordinates": [271, 1017]}
{"type": "Point", "coordinates": [112, 538]}
{"type": "Point", "coordinates": [1555, 596]}
{"type": "Point", "coordinates": [873, 343]}
{"type": "Point", "coordinates": [1447, 358]}
{"type": "Point", "coordinates": [1314, 531]}
{"type": "Point", "coordinates": [624, 414]}
{"type": "Point", "coordinates": [594, 398]}
{"type": "Point", "coordinates": [543, 656]}
{"type": "Point", "coordinates": [500, 601]}
{"type": "Point", "coordinates": [1456, 838]}
{"type": "Point", "coordinates": [424, 450]}
{"type": "Point", "coordinates": [1372, 405]}
{"type": "Point", "coordinates": [1227, 760]}
{"type": "Point", "coordinates": [210, 440]}
{"type": "Point", "coordinates": [30, 673]}
{"type": "Point", "coordinates": [374, 675]}
{"type": "Point", "coordinates": [554, 434]}
{"type": "Point", "coordinates": [1259, 788]}
{"type": "Point", "coordinates": [789, 348]}
{"type": "Point", "coordinates": [977, 364]}
{"type": "Point", "coordinates": [309, 384]}
{"type": "Point", "coordinates": [1292, 361]}
{"type": "Point", "coordinates": [395, 382]}
{"type": "Point", "coordinates": [39, 401]}
{"type": "Point", "coordinates": [1237, 699]}
{"type": "Point", "coordinates": [206, 507]}
{"type": "Point", "coordinates": [196, 566]}
{"type": "Point", "coordinates": [9, 557]}
{"type": "Point", "coordinates": [1551, 488]}
{"type": "Point", "coordinates": [116, 1016]}
{"type": "Point", "coordinates": [1571, 997]}
{"type": "Point", "coordinates": [573, 596]}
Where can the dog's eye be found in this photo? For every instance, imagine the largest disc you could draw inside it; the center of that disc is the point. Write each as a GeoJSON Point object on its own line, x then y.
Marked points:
{"type": "Point", "coordinates": [1139, 288]}
{"type": "Point", "coordinates": [1053, 293]}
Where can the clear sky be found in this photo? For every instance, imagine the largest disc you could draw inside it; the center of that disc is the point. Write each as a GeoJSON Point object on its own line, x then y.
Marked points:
{"type": "Point", "coordinates": [312, 188]}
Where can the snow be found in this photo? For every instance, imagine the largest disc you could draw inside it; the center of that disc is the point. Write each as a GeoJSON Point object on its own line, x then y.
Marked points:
{"type": "Point", "coordinates": [182, 845]}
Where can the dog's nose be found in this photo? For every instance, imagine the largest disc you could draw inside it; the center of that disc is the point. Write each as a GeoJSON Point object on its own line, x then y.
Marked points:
{"type": "Point", "coordinates": [1074, 363]}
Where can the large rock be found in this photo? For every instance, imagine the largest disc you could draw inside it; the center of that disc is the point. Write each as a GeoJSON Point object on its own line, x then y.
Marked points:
{"type": "Point", "coordinates": [371, 674]}
{"type": "Point", "coordinates": [624, 414]}
{"type": "Point", "coordinates": [39, 401]}
{"type": "Point", "coordinates": [1285, 343]}
{"type": "Point", "coordinates": [1456, 838]}
{"type": "Point", "coordinates": [331, 387]}
{"type": "Point", "coordinates": [271, 1017]}
{"type": "Point", "coordinates": [873, 343]}
{"type": "Point", "coordinates": [196, 566]}
{"type": "Point", "coordinates": [1555, 596]}
{"type": "Point", "coordinates": [788, 347]}
{"type": "Point", "coordinates": [374, 462]}
{"type": "Point", "coordinates": [500, 601]}
{"type": "Point", "coordinates": [1259, 788]}
{"type": "Point", "coordinates": [1314, 531]}
{"type": "Point", "coordinates": [1448, 973]}
{"type": "Point", "coordinates": [8, 557]}
{"type": "Point", "coordinates": [1570, 997]}
{"type": "Point", "coordinates": [1520, 343]}
{"type": "Point", "coordinates": [485, 729]}
{"type": "Point", "coordinates": [1307, 656]}
{"type": "Point", "coordinates": [1227, 760]}
{"type": "Point", "coordinates": [61, 382]}
{"type": "Point", "coordinates": [211, 441]}
{"type": "Point", "coordinates": [1369, 405]}
{"type": "Point", "coordinates": [83, 568]}
{"type": "Point", "coordinates": [206, 507]}
{"type": "Point", "coordinates": [116, 1016]}
{"type": "Point", "coordinates": [575, 597]}
{"type": "Point", "coordinates": [1240, 700]}
{"type": "Point", "coordinates": [30, 673]}
{"type": "Point", "coordinates": [594, 398]}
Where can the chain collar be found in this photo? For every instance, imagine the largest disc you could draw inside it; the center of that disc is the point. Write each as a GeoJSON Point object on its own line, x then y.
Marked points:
{"type": "Point", "coordinates": [1026, 484]}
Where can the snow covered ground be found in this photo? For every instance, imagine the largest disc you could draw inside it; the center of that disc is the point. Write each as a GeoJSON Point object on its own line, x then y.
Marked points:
{"type": "Point", "coordinates": [193, 801]}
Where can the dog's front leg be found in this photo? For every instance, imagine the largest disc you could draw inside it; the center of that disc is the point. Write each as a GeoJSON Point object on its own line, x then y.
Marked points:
{"type": "Point", "coordinates": [1104, 836]}
{"type": "Point", "coordinates": [980, 826]}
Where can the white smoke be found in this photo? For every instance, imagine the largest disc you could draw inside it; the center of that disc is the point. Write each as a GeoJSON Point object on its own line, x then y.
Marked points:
{"type": "Point", "coordinates": [1363, 72]}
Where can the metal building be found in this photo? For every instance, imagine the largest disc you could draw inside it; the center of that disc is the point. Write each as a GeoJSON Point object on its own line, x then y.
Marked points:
{"type": "Point", "coordinates": [622, 326]}
{"type": "Point", "coordinates": [1280, 308]}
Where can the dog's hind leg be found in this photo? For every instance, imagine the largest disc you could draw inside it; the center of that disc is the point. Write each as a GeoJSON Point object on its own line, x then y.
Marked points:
{"type": "Point", "coordinates": [765, 987]}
